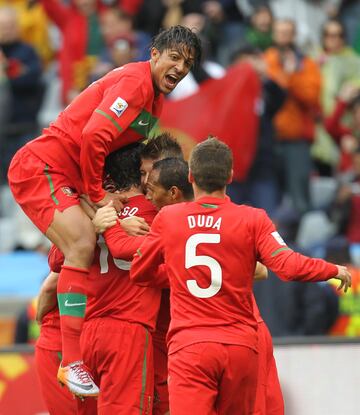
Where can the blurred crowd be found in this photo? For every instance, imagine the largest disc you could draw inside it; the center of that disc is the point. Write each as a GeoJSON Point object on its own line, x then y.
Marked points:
{"type": "Point", "coordinates": [306, 172]}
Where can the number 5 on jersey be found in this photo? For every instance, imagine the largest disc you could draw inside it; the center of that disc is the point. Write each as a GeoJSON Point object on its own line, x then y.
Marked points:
{"type": "Point", "coordinates": [193, 260]}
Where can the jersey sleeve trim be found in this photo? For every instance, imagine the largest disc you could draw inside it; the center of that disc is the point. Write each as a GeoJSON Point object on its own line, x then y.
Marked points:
{"type": "Point", "coordinates": [109, 118]}
{"type": "Point", "coordinates": [284, 248]}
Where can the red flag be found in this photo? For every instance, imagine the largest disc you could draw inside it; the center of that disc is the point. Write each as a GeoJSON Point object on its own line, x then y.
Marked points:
{"type": "Point", "coordinates": [225, 108]}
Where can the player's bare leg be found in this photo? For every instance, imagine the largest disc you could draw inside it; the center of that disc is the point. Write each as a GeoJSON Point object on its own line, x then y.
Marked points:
{"type": "Point", "coordinates": [73, 233]}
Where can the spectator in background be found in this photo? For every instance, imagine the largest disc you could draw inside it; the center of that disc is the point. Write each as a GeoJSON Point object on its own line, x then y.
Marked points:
{"type": "Point", "coordinates": [27, 329]}
{"type": "Point", "coordinates": [156, 14]}
{"type": "Point", "coordinates": [295, 122]}
{"type": "Point", "coordinates": [23, 69]}
{"type": "Point", "coordinates": [207, 69]}
{"type": "Point", "coordinates": [81, 42]}
{"type": "Point", "coordinates": [347, 135]}
{"type": "Point", "coordinates": [34, 26]}
{"type": "Point", "coordinates": [348, 11]}
{"type": "Point", "coordinates": [259, 33]}
{"type": "Point", "coordinates": [119, 52]}
{"type": "Point", "coordinates": [347, 203]}
{"type": "Point", "coordinates": [261, 188]}
{"type": "Point", "coordinates": [130, 7]}
{"type": "Point", "coordinates": [114, 24]}
{"type": "Point", "coordinates": [339, 64]}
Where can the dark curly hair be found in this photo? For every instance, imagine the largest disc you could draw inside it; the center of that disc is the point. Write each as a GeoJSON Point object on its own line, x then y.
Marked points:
{"type": "Point", "coordinates": [162, 146]}
{"type": "Point", "coordinates": [123, 166]}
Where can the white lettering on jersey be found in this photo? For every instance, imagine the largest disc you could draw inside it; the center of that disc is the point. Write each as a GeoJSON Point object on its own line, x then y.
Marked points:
{"type": "Point", "coordinates": [119, 106]}
{"type": "Point", "coordinates": [204, 221]}
{"type": "Point", "coordinates": [278, 238]}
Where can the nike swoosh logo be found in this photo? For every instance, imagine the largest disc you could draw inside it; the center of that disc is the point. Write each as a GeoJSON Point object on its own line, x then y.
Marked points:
{"type": "Point", "coordinates": [141, 122]}
{"type": "Point", "coordinates": [85, 387]}
{"type": "Point", "coordinates": [67, 304]}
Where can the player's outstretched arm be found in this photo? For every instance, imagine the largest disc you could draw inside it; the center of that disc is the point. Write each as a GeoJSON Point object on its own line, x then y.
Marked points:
{"type": "Point", "coordinates": [47, 296]}
{"type": "Point", "coordinates": [283, 261]}
{"type": "Point", "coordinates": [344, 276]}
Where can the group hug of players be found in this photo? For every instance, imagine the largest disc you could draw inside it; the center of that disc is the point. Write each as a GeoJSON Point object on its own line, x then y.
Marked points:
{"type": "Point", "coordinates": [122, 263]}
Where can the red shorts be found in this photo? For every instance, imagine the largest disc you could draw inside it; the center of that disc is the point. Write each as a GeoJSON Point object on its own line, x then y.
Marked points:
{"type": "Point", "coordinates": [161, 392]}
{"type": "Point", "coordinates": [58, 400]}
{"type": "Point", "coordinates": [269, 399]}
{"type": "Point", "coordinates": [40, 189]}
{"type": "Point", "coordinates": [120, 356]}
{"type": "Point", "coordinates": [212, 378]}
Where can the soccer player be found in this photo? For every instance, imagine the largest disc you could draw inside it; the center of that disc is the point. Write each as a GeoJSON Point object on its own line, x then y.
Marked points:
{"type": "Point", "coordinates": [116, 342]}
{"type": "Point", "coordinates": [48, 174]}
{"type": "Point", "coordinates": [168, 184]}
{"type": "Point", "coordinates": [210, 256]}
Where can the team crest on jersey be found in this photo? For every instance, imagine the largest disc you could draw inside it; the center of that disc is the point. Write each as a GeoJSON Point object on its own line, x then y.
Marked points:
{"type": "Point", "coordinates": [68, 191]}
{"type": "Point", "coordinates": [278, 238]}
{"type": "Point", "coordinates": [119, 106]}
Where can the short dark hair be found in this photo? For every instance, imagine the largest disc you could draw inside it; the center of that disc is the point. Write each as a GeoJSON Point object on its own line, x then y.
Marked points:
{"type": "Point", "coordinates": [336, 21]}
{"type": "Point", "coordinates": [180, 38]}
{"type": "Point", "coordinates": [123, 166]}
{"type": "Point", "coordinates": [210, 164]}
{"type": "Point", "coordinates": [174, 172]}
{"type": "Point", "coordinates": [245, 49]}
{"type": "Point", "coordinates": [162, 146]}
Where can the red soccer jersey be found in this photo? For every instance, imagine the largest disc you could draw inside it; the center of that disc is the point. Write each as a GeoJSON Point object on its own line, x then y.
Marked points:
{"type": "Point", "coordinates": [115, 295]}
{"type": "Point", "coordinates": [118, 109]}
{"type": "Point", "coordinates": [50, 334]}
{"type": "Point", "coordinates": [210, 248]}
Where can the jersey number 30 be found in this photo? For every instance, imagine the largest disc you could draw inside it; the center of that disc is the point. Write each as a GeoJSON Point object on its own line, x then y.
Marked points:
{"type": "Point", "coordinates": [193, 260]}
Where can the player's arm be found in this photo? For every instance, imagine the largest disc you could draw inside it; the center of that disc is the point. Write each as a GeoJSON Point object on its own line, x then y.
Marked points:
{"type": "Point", "coordinates": [120, 244]}
{"type": "Point", "coordinates": [149, 257]}
{"type": "Point", "coordinates": [261, 272]}
{"type": "Point", "coordinates": [120, 106]}
{"type": "Point", "coordinates": [116, 233]}
{"type": "Point", "coordinates": [107, 217]}
{"type": "Point", "coordinates": [47, 296]}
{"type": "Point", "coordinates": [289, 265]}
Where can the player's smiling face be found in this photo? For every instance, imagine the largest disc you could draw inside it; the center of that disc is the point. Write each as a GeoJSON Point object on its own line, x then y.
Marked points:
{"type": "Point", "coordinates": [169, 67]}
{"type": "Point", "coordinates": [157, 195]}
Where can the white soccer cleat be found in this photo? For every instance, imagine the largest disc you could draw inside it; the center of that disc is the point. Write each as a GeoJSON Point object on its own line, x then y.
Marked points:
{"type": "Point", "coordinates": [77, 377]}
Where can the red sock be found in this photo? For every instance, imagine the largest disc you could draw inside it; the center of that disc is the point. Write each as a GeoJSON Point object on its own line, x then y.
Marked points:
{"type": "Point", "coordinates": [71, 293]}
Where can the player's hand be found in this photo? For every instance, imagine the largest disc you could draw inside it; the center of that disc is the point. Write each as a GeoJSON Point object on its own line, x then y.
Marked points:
{"type": "Point", "coordinates": [344, 276]}
{"type": "Point", "coordinates": [105, 218]}
{"type": "Point", "coordinates": [135, 226]}
{"type": "Point", "coordinates": [117, 199]}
